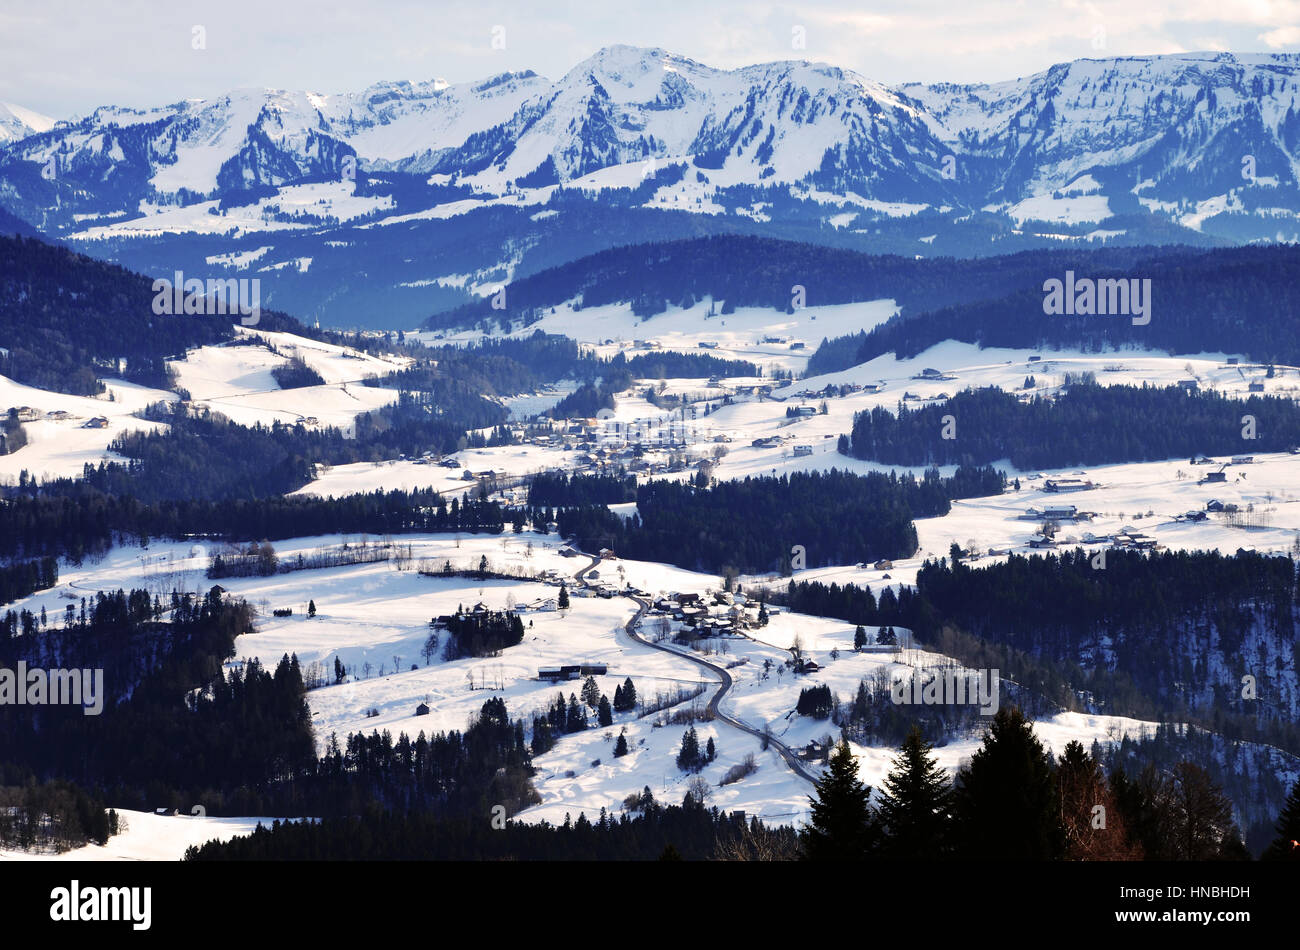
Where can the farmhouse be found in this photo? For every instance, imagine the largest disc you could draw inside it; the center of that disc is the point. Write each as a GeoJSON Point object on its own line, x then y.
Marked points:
{"type": "Point", "coordinates": [1067, 484]}
{"type": "Point", "coordinates": [555, 674]}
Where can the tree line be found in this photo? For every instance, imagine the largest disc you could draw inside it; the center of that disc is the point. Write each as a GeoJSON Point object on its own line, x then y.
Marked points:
{"type": "Point", "coordinates": [1168, 633]}
{"type": "Point", "coordinates": [753, 525]}
{"type": "Point", "coordinates": [1246, 295]}
{"type": "Point", "coordinates": [79, 521]}
{"type": "Point", "coordinates": [1087, 424]}
{"type": "Point", "coordinates": [21, 578]}
{"type": "Point", "coordinates": [1015, 801]}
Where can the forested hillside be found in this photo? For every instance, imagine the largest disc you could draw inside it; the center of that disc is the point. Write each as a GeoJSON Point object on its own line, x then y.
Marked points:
{"type": "Point", "coordinates": [68, 318]}
{"type": "Point", "coordinates": [753, 525]}
{"type": "Point", "coordinates": [745, 271]}
{"type": "Point", "coordinates": [1087, 424]}
{"type": "Point", "coordinates": [1240, 300]}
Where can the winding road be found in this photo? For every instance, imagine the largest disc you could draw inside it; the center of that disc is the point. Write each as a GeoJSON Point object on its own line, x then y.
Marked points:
{"type": "Point", "coordinates": [714, 707]}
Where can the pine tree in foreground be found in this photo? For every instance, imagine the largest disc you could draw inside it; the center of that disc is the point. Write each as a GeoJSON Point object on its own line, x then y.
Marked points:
{"type": "Point", "coordinates": [1286, 846]}
{"type": "Point", "coordinates": [843, 827]}
{"type": "Point", "coordinates": [915, 802]}
{"type": "Point", "coordinates": [1005, 804]}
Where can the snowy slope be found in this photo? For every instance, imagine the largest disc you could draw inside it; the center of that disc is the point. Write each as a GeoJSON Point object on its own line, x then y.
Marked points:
{"type": "Point", "coordinates": [1167, 133]}
{"type": "Point", "coordinates": [375, 618]}
{"type": "Point", "coordinates": [18, 123]}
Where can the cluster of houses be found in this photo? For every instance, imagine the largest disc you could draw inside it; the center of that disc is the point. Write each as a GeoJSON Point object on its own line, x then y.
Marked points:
{"type": "Point", "coordinates": [1131, 539]}
{"type": "Point", "coordinates": [702, 616]}
{"type": "Point", "coordinates": [430, 458]}
{"type": "Point", "coordinates": [1057, 513]}
{"type": "Point", "coordinates": [830, 390]}
{"type": "Point", "coordinates": [31, 414]}
{"type": "Point", "coordinates": [1127, 538]}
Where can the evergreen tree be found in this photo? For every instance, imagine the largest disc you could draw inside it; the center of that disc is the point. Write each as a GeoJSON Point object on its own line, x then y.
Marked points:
{"type": "Point", "coordinates": [859, 637]}
{"type": "Point", "coordinates": [843, 827]}
{"type": "Point", "coordinates": [1005, 804]}
{"type": "Point", "coordinates": [688, 757]}
{"type": "Point", "coordinates": [603, 713]}
{"type": "Point", "coordinates": [620, 745]}
{"type": "Point", "coordinates": [564, 597]}
{"type": "Point", "coordinates": [1286, 846]}
{"type": "Point", "coordinates": [629, 696]}
{"type": "Point", "coordinates": [311, 608]}
{"type": "Point", "coordinates": [576, 717]}
{"type": "Point", "coordinates": [590, 693]}
{"type": "Point", "coordinates": [710, 750]}
{"type": "Point", "coordinates": [915, 802]}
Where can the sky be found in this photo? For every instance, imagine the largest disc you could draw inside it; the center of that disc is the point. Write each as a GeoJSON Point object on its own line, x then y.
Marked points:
{"type": "Point", "coordinates": [65, 58]}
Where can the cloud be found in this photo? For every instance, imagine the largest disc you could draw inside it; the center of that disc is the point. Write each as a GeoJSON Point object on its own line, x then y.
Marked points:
{"type": "Point", "coordinates": [1285, 36]}
{"type": "Point", "coordinates": [64, 58]}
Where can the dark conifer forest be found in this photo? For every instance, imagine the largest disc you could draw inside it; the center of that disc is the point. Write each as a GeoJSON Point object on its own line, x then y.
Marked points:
{"type": "Point", "coordinates": [753, 524]}
{"type": "Point", "coordinates": [1087, 424]}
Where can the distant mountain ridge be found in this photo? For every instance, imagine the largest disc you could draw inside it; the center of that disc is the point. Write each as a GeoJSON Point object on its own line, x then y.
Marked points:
{"type": "Point", "coordinates": [18, 123]}
{"type": "Point", "coordinates": [1197, 148]}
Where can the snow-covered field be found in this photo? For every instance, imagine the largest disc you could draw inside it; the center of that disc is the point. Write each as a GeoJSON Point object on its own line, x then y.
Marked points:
{"type": "Point", "coordinates": [149, 837]}
{"type": "Point", "coordinates": [60, 448]}
{"type": "Point", "coordinates": [237, 381]}
{"type": "Point", "coordinates": [376, 618]}
{"type": "Point", "coordinates": [614, 328]}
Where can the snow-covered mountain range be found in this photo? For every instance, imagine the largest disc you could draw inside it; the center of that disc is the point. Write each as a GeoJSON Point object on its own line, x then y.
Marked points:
{"type": "Point", "coordinates": [1197, 148]}
{"type": "Point", "coordinates": [18, 123]}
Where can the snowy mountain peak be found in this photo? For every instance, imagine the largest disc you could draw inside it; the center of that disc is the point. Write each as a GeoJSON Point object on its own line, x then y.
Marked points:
{"type": "Point", "coordinates": [1192, 140]}
{"type": "Point", "coordinates": [18, 123]}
